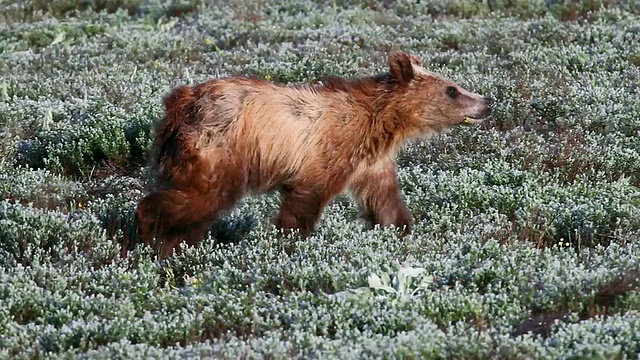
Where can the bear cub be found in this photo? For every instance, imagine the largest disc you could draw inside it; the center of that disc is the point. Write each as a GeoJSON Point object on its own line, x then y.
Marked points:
{"type": "Point", "coordinates": [227, 138]}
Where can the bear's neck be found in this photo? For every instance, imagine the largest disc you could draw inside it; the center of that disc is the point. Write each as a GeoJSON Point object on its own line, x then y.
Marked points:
{"type": "Point", "coordinates": [386, 121]}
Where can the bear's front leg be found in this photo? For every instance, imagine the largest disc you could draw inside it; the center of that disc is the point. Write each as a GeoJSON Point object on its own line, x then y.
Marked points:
{"type": "Point", "coordinates": [376, 189]}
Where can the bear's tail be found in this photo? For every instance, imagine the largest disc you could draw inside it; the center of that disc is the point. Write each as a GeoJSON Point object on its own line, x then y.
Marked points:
{"type": "Point", "coordinates": [179, 110]}
{"type": "Point", "coordinates": [178, 105]}
{"type": "Point", "coordinates": [171, 154]}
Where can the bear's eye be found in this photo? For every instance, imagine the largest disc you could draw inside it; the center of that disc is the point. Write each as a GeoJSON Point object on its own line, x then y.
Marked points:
{"type": "Point", "coordinates": [452, 91]}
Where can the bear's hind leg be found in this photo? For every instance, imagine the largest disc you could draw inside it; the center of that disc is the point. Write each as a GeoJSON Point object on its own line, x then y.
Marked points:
{"type": "Point", "coordinates": [191, 234]}
{"type": "Point", "coordinates": [174, 215]}
{"type": "Point", "coordinates": [301, 208]}
{"type": "Point", "coordinates": [377, 192]}
{"type": "Point", "coordinates": [169, 215]}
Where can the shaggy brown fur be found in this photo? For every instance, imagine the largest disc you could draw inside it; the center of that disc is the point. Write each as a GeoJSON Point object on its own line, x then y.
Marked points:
{"type": "Point", "coordinates": [226, 138]}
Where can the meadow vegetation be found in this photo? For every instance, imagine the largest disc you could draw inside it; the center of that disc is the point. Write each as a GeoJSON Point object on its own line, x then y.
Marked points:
{"type": "Point", "coordinates": [526, 237]}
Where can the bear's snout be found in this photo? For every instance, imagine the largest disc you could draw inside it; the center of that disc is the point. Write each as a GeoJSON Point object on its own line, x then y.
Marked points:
{"type": "Point", "coordinates": [486, 112]}
{"type": "Point", "coordinates": [480, 110]}
{"type": "Point", "coordinates": [486, 109]}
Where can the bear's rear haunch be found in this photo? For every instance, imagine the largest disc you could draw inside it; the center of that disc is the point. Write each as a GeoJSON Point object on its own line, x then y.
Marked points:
{"type": "Point", "coordinates": [226, 138]}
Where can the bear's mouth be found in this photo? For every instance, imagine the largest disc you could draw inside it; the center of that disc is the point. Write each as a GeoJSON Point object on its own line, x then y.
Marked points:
{"type": "Point", "coordinates": [471, 120]}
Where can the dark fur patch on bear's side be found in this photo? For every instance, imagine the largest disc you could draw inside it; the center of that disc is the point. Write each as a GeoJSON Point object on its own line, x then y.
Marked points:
{"type": "Point", "coordinates": [217, 123]}
{"type": "Point", "coordinates": [304, 110]}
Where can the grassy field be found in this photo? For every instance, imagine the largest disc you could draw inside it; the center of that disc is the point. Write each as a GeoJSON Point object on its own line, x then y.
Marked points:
{"type": "Point", "coordinates": [526, 241]}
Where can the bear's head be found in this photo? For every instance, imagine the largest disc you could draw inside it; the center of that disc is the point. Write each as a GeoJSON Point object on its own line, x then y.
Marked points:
{"type": "Point", "coordinates": [439, 102]}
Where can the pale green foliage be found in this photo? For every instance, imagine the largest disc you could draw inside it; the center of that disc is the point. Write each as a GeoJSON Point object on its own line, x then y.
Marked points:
{"type": "Point", "coordinates": [535, 211]}
{"type": "Point", "coordinates": [401, 286]}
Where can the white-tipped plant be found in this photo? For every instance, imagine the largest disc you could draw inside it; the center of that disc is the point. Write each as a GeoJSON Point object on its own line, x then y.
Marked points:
{"type": "Point", "coordinates": [406, 283]}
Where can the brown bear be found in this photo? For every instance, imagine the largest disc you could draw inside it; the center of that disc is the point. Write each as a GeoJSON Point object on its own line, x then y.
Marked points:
{"type": "Point", "coordinates": [230, 137]}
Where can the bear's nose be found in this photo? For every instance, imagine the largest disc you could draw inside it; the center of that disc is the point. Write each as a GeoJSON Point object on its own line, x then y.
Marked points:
{"type": "Point", "coordinates": [489, 101]}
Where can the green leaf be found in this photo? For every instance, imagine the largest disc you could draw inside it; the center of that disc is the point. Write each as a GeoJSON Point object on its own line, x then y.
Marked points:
{"type": "Point", "coordinates": [59, 38]}
{"type": "Point", "coordinates": [378, 283]}
{"type": "Point", "coordinates": [405, 278]}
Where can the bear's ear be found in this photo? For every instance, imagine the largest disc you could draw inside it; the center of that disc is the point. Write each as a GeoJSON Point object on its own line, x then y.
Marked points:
{"type": "Point", "coordinates": [415, 60]}
{"type": "Point", "coordinates": [400, 64]}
